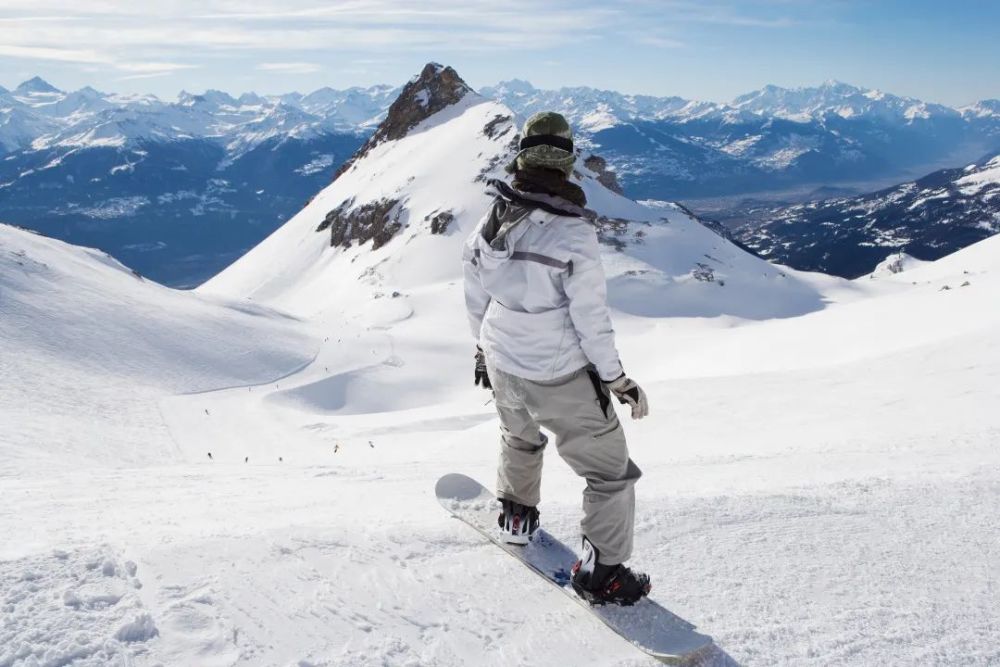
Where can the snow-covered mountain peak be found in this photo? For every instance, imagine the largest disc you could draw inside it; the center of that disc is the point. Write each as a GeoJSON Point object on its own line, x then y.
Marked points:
{"type": "Point", "coordinates": [515, 86]}
{"type": "Point", "coordinates": [393, 223]}
{"type": "Point", "coordinates": [216, 98]}
{"type": "Point", "coordinates": [838, 99]}
{"type": "Point", "coordinates": [982, 109]}
{"type": "Point", "coordinates": [36, 84]}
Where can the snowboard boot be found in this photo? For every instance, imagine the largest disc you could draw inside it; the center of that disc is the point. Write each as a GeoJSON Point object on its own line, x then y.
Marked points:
{"type": "Point", "coordinates": [517, 522]}
{"type": "Point", "coordinates": [601, 584]}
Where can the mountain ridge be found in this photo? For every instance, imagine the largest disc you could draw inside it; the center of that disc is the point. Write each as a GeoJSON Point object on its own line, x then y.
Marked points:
{"type": "Point", "coordinates": [926, 218]}
{"type": "Point", "coordinates": [143, 178]}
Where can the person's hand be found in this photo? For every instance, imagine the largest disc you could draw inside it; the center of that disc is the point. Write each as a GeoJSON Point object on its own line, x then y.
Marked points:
{"type": "Point", "coordinates": [630, 394]}
{"type": "Point", "coordinates": [482, 376]}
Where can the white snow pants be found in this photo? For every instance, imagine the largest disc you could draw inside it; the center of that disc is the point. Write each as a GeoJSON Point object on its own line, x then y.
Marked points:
{"type": "Point", "coordinates": [577, 409]}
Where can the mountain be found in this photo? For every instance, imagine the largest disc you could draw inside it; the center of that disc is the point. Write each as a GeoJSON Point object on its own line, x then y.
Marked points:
{"type": "Point", "coordinates": [767, 140]}
{"type": "Point", "coordinates": [927, 219]}
{"type": "Point", "coordinates": [180, 189]}
{"type": "Point", "coordinates": [394, 220]}
{"type": "Point", "coordinates": [36, 86]}
{"type": "Point", "coordinates": [176, 190]}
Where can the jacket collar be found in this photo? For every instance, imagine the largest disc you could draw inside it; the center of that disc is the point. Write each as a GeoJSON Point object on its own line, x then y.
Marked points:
{"type": "Point", "coordinates": [550, 203]}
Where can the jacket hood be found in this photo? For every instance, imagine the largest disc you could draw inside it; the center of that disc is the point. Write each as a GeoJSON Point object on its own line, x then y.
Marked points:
{"type": "Point", "coordinates": [510, 217]}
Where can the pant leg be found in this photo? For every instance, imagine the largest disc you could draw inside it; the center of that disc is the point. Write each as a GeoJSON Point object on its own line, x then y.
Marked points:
{"type": "Point", "coordinates": [519, 473]}
{"type": "Point", "coordinates": [590, 439]}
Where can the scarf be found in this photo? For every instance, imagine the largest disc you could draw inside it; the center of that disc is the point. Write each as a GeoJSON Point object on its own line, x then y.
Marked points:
{"type": "Point", "coordinates": [548, 182]}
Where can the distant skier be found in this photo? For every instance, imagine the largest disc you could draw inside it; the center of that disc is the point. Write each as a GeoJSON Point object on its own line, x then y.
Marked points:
{"type": "Point", "coordinates": [537, 302]}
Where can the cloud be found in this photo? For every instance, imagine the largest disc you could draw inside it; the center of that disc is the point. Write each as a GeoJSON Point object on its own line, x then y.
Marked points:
{"type": "Point", "coordinates": [51, 53]}
{"type": "Point", "coordinates": [290, 68]}
{"type": "Point", "coordinates": [148, 75]}
{"type": "Point", "coordinates": [292, 36]}
{"type": "Point", "coordinates": [216, 26]}
{"type": "Point", "coordinates": [90, 58]}
{"type": "Point", "coordinates": [659, 42]}
{"type": "Point", "coordinates": [745, 14]}
{"type": "Point", "coordinates": [165, 68]}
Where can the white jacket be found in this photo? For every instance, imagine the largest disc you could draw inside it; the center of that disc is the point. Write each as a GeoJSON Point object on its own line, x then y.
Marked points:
{"type": "Point", "coordinates": [535, 288]}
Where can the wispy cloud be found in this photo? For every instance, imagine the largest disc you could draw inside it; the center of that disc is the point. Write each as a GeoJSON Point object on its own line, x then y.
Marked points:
{"type": "Point", "coordinates": [746, 13]}
{"type": "Point", "coordinates": [52, 53]}
{"type": "Point", "coordinates": [90, 58]}
{"type": "Point", "coordinates": [274, 37]}
{"type": "Point", "coordinates": [659, 41]}
{"type": "Point", "coordinates": [212, 26]}
{"type": "Point", "coordinates": [152, 66]}
{"type": "Point", "coordinates": [148, 75]}
{"type": "Point", "coordinates": [290, 68]}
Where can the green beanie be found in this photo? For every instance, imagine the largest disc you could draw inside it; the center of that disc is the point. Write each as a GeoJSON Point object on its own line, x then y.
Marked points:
{"type": "Point", "coordinates": [546, 142]}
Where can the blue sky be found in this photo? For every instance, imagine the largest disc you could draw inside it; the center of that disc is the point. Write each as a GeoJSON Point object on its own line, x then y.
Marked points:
{"type": "Point", "coordinates": [714, 49]}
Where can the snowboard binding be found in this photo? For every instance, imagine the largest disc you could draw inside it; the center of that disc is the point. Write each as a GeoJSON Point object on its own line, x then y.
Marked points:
{"type": "Point", "coordinates": [517, 522]}
{"type": "Point", "coordinates": [601, 584]}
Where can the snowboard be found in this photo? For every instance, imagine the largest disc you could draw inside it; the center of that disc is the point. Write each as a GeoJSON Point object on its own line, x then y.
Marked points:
{"type": "Point", "coordinates": [646, 625]}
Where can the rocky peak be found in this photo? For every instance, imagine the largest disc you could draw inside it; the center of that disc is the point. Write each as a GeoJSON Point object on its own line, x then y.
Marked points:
{"type": "Point", "coordinates": [435, 88]}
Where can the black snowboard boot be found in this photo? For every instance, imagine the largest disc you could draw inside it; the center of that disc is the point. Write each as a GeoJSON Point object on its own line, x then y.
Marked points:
{"type": "Point", "coordinates": [517, 522]}
{"type": "Point", "coordinates": [601, 584]}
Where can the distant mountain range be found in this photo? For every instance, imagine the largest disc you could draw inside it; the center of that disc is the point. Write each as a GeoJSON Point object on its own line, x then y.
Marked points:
{"type": "Point", "coordinates": [179, 189]}
{"type": "Point", "coordinates": [175, 190]}
{"type": "Point", "coordinates": [927, 218]}
{"type": "Point", "coordinates": [770, 139]}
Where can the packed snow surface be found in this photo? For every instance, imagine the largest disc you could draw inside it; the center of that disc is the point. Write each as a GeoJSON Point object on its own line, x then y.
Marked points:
{"type": "Point", "coordinates": [245, 474]}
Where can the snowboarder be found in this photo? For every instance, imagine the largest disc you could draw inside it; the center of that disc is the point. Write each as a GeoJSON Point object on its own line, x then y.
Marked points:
{"type": "Point", "coordinates": [537, 304]}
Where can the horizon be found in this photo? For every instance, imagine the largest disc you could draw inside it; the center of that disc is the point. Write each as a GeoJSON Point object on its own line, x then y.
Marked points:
{"type": "Point", "coordinates": [710, 51]}
{"type": "Point", "coordinates": [237, 94]}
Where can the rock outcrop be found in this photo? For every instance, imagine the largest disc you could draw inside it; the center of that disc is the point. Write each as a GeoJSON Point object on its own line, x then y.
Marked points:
{"type": "Point", "coordinates": [376, 221]}
{"type": "Point", "coordinates": [605, 176]}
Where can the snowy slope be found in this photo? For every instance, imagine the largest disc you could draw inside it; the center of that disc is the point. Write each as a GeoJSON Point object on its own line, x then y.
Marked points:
{"type": "Point", "coordinates": [820, 471]}
{"type": "Point", "coordinates": [88, 347]}
{"type": "Point", "coordinates": [817, 490]}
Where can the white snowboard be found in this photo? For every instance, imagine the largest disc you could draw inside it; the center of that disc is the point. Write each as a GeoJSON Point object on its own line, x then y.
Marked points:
{"type": "Point", "coordinates": [647, 625]}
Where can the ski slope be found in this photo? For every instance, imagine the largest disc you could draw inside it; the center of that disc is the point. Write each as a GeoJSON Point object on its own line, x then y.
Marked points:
{"type": "Point", "coordinates": [821, 479]}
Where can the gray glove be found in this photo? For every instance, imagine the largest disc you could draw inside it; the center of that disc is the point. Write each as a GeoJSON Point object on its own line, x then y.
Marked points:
{"type": "Point", "coordinates": [630, 394]}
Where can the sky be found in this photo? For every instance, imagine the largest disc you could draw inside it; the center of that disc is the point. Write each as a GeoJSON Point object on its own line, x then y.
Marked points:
{"type": "Point", "coordinates": [945, 52]}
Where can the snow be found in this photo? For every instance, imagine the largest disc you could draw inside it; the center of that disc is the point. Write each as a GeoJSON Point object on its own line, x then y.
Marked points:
{"type": "Point", "coordinates": [95, 347]}
{"type": "Point", "coordinates": [930, 196]}
{"type": "Point", "coordinates": [321, 163]}
{"type": "Point", "coordinates": [894, 264]}
{"type": "Point", "coordinates": [988, 175]}
{"type": "Point", "coordinates": [820, 471]}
